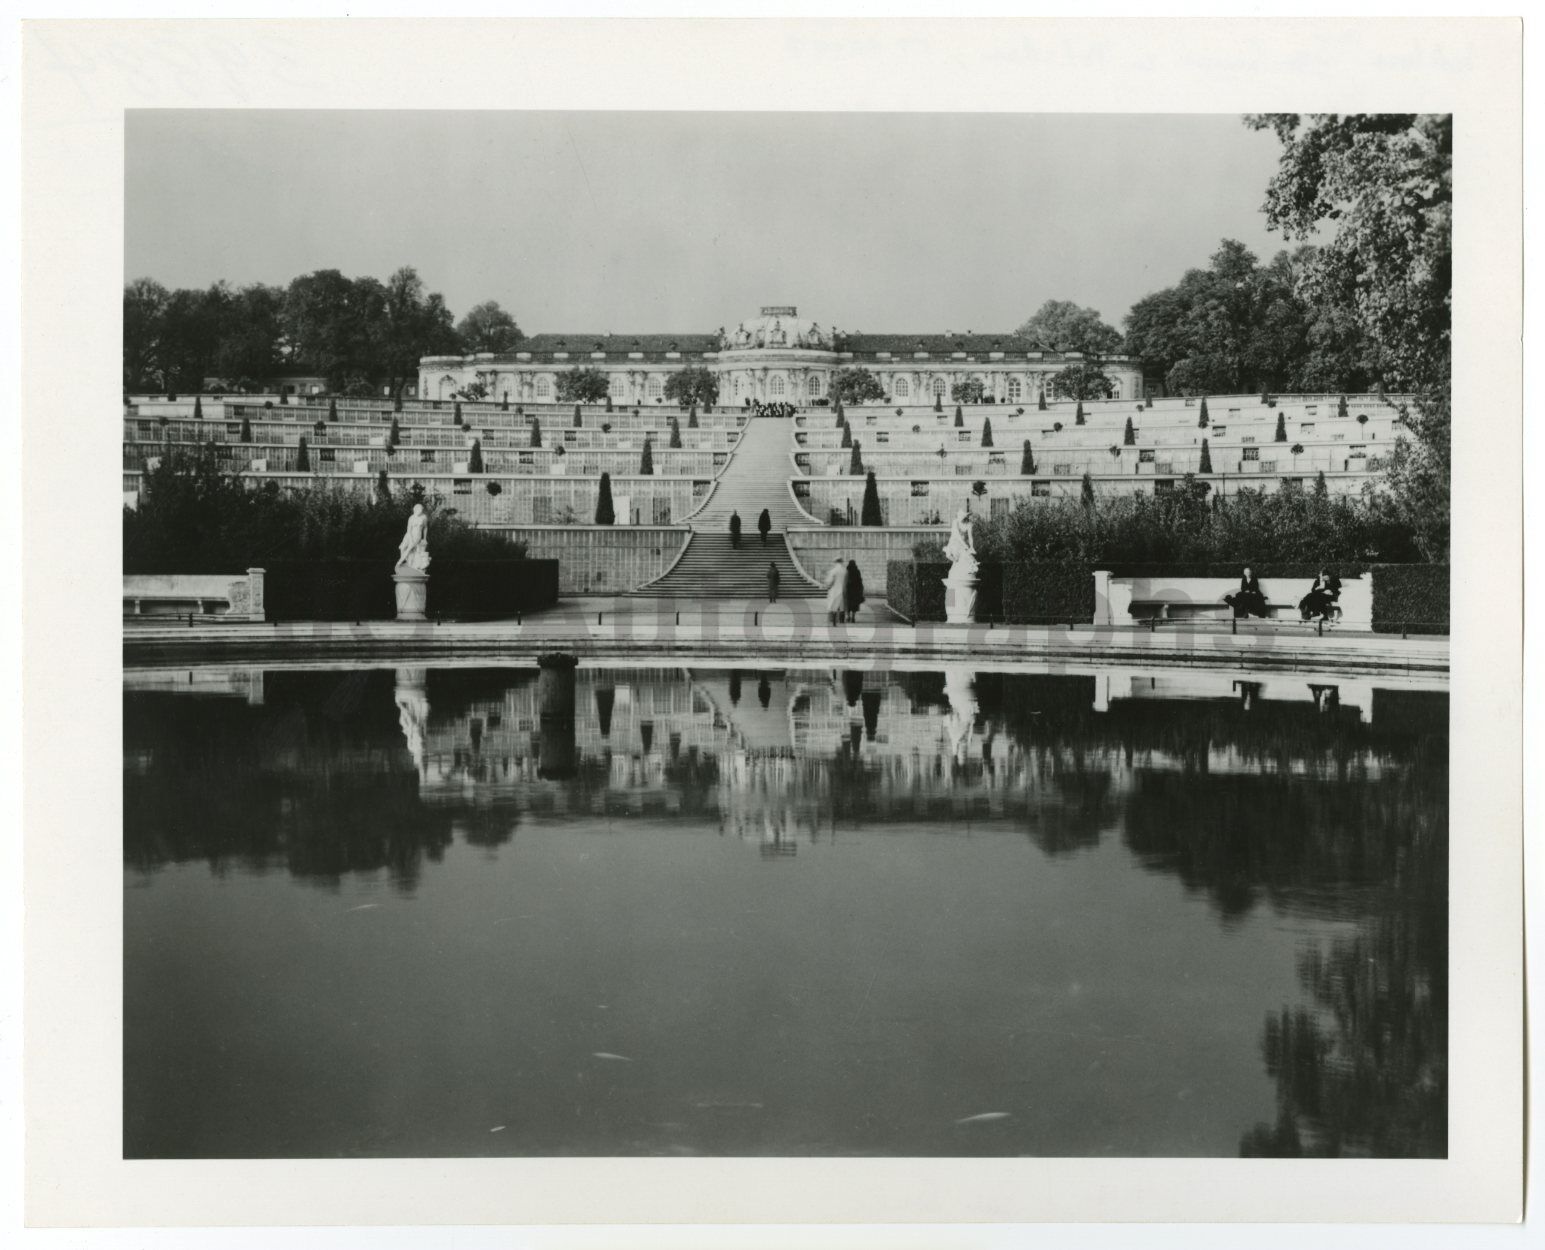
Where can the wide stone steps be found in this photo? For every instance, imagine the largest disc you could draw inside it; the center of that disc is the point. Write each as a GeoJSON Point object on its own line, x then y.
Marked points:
{"type": "Point", "coordinates": [756, 477]}
{"type": "Point", "coordinates": [712, 568]}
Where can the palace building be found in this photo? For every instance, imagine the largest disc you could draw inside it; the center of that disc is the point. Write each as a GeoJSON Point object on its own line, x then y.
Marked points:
{"type": "Point", "coordinates": [776, 356]}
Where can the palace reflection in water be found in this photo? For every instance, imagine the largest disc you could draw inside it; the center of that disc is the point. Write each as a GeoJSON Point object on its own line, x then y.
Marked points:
{"type": "Point", "coordinates": [654, 910]}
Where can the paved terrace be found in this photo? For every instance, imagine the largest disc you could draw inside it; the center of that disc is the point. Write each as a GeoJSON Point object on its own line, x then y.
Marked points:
{"type": "Point", "coordinates": [792, 629]}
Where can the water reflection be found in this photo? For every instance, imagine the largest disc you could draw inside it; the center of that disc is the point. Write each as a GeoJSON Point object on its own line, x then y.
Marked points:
{"type": "Point", "coordinates": [1315, 807]}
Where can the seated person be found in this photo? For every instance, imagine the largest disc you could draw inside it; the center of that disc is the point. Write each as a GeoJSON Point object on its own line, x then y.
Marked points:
{"type": "Point", "coordinates": [1322, 598]}
{"type": "Point", "coordinates": [1248, 599]}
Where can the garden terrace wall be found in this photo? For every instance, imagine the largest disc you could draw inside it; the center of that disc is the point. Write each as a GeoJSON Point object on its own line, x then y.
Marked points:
{"type": "Point", "coordinates": [875, 549]}
{"type": "Point", "coordinates": [1411, 598]}
{"type": "Point", "coordinates": [602, 559]}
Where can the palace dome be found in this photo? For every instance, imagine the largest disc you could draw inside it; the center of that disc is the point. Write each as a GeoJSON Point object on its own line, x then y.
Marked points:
{"type": "Point", "coordinates": [777, 325]}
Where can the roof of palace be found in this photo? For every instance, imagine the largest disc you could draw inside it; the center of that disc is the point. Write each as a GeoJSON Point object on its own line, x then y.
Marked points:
{"type": "Point", "coordinates": [936, 344]}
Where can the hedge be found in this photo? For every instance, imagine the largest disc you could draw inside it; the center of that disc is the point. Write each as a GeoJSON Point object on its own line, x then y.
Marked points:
{"type": "Point", "coordinates": [1023, 593]}
{"type": "Point", "coordinates": [363, 590]}
{"type": "Point", "coordinates": [1410, 598]}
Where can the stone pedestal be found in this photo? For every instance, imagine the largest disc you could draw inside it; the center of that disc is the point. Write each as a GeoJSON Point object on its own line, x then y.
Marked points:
{"type": "Point", "coordinates": [412, 594]}
{"type": "Point", "coordinates": [960, 600]}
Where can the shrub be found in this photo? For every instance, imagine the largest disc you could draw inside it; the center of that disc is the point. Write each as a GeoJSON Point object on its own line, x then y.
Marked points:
{"type": "Point", "coordinates": [1201, 421]}
{"type": "Point", "coordinates": [332, 408]}
{"type": "Point", "coordinates": [1281, 435]}
{"type": "Point", "coordinates": [475, 457]}
{"type": "Point", "coordinates": [1410, 598]}
{"type": "Point", "coordinates": [938, 402]}
{"type": "Point", "coordinates": [675, 433]}
{"type": "Point", "coordinates": [646, 459]}
{"type": "Point", "coordinates": [1341, 406]}
{"type": "Point", "coordinates": [856, 460]}
{"type": "Point", "coordinates": [1027, 461]}
{"type": "Point", "coordinates": [393, 435]}
{"type": "Point", "coordinates": [536, 431]}
{"type": "Point", "coordinates": [383, 495]}
{"type": "Point", "coordinates": [494, 488]}
{"type": "Point", "coordinates": [579, 419]}
{"type": "Point", "coordinates": [1040, 401]}
{"type": "Point", "coordinates": [987, 432]}
{"type": "Point", "coordinates": [847, 437]}
{"type": "Point", "coordinates": [960, 419]}
{"type": "Point", "coordinates": [1078, 414]}
{"type": "Point", "coordinates": [692, 418]}
{"type": "Point", "coordinates": [246, 430]}
{"type": "Point", "coordinates": [871, 514]}
{"type": "Point", "coordinates": [1205, 465]}
{"type": "Point", "coordinates": [303, 457]}
{"type": "Point", "coordinates": [605, 513]}
{"type": "Point", "coordinates": [1129, 435]}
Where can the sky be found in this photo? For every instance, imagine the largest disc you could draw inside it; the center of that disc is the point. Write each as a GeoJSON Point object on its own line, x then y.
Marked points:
{"type": "Point", "coordinates": [658, 222]}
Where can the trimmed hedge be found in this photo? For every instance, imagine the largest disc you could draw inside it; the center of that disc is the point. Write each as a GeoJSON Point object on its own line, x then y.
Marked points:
{"type": "Point", "coordinates": [1263, 569]}
{"type": "Point", "coordinates": [1024, 593]}
{"type": "Point", "coordinates": [1410, 598]}
{"type": "Point", "coordinates": [363, 590]}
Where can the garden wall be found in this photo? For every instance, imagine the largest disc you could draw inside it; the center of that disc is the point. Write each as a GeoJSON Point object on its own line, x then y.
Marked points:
{"type": "Point", "coordinates": [875, 549]}
{"type": "Point", "coordinates": [602, 559]}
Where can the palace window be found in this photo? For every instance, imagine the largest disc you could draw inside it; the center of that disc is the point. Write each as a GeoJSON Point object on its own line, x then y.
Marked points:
{"type": "Point", "coordinates": [1014, 390]}
{"type": "Point", "coordinates": [617, 385]}
{"type": "Point", "coordinates": [461, 486]}
{"type": "Point", "coordinates": [1040, 490]}
{"type": "Point", "coordinates": [1145, 457]}
{"type": "Point", "coordinates": [814, 386]}
{"type": "Point", "coordinates": [543, 388]}
{"type": "Point", "coordinates": [938, 386]}
{"type": "Point", "coordinates": [919, 490]}
{"type": "Point", "coordinates": [656, 387]}
{"type": "Point", "coordinates": [1306, 428]}
{"type": "Point", "coordinates": [1252, 453]}
{"type": "Point", "coordinates": [902, 387]}
{"type": "Point", "coordinates": [777, 386]}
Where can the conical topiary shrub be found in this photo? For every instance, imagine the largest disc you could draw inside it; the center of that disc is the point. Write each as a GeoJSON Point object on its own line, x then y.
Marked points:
{"type": "Point", "coordinates": [397, 402]}
{"type": "Point", "coordinates": [646, 459]}
{"type": "Point", "coordinates": [1341, 406]}
{"type": "Point", "coordinates": [960, 419]}
{"type": "Point", "coordinates": [536, 431]}
{"type": "Point", "coordinates": [1148, 401]}
{"type": "Point", "coordinates": [383, 488]}
{"type": "Point", "coordinates": [847, 436]}
{"type": "Point", "coordinates": [605, 514]}
{"type": "Point", "coordinates": [1201, 421]}
{"type": "Point", "coordinates": [198, 407]}
{"type": "Point", "coordinates": [456, 413]}
{"type": "Point", "coordinates": [1129, 435]}
{"type": "Point", "coordinates": [1086, 492]}
{"type": "Point", "coordinates": [246, 430]}
{"type": "Point", "coordinates": [1026, 461]}
{"type": "Point", "coordinates": [332, 408]}
{"type": "Point", "coordinates": [1205, 465]}
{"type": "Point", "coordinates": [870, 514]}
{"type": "Point", "coordinates": [393, 435]}
{"type": "Point", "coordinates": [504, 404]}
{"type": "Point", "coordinates": [1282, 429]}
{"type": "Point", "coordinates": [303, 457]}
{"type": "Point", "coordinates": [1078, 413]}
{"type": "Point", "coordinates": [938, 402]}
{"type": "Point", "coordinates": [1040, 401]}
{"type": "Point", "coordinates": [987, 432]}
{"type": "Point", "coordinates": [692, 418]}
{"type": "Point", "coordinates": [856, 460]}
{"type": "Point", "coordinates": [475, 457]}
{"type": "Point", "coordinates": [579, 419]}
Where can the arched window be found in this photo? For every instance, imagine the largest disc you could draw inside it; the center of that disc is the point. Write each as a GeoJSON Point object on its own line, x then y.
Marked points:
{"type": "Point", "coordinates": [902, 387]}
{"type": "Point", "coordinates": [1014, 391]}
{"type": "Point", "coordinates": [656, 387]}
{"type": "Point", "coordinates": [815, 384]}
{"type": "Point", "coordinates": [777, 386]}
{"type": "Point", "coordinates": [938, 386]}
{"type": "Point", "coordinates": [543, 388]}
{"type": "Point", "coordinates": [616, 386]}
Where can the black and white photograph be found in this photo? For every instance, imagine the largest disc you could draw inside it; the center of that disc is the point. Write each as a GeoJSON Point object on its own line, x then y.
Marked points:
{"type": "Point", "coordinates": [798, 633]}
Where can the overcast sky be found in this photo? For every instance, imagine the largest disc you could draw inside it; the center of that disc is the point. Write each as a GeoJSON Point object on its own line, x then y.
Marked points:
{"type": "Point", "coordinates": [619, 222]}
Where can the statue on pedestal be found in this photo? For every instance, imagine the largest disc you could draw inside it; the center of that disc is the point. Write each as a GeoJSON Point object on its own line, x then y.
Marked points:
{"type": "Point", "coordinates": [960, 585]}
{"type": "Point", "coordinates": [412, 572]}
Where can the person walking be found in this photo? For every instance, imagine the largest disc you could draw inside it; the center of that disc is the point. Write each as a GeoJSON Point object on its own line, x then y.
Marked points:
{"type": "Point", "coordinates": [773, 579]}
{"type": "Point", "coordinates": [853, 591]}
{"type": "Point", "coordinates": [764, 525]}
{"type": "Point", "coordinates": [836, 585]}
{"type": "Point", "coordinates": [735, 530]}
{"type": "Point", "coordinates": [1248, 599]}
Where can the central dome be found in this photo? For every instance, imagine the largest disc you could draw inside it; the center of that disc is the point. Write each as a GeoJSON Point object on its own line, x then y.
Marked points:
{"type": "Point", "coordinates": [778, 325]}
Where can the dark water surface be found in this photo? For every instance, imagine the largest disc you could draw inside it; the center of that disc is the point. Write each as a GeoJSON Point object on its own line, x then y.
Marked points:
{"type": "Point", "coordinates": [627, 911]}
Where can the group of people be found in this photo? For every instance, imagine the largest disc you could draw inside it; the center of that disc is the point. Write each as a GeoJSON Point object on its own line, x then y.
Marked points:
{"type": "Point", "coordinates": [844, 586]}
{"type": "Point", "coordinates": [763, 526]}
{"type": "Point", "coordinates": [777, 409]}
{"type": "Point", "coordinates": [1321, 602]}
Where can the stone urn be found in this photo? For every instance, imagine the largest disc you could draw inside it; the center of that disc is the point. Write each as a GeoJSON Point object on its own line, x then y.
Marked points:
{"type": "Point", "coordinates": [412, 593]}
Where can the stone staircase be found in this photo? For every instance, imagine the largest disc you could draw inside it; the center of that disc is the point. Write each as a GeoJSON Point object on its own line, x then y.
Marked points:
{"type": "Point", "coordinates": [756, 477]}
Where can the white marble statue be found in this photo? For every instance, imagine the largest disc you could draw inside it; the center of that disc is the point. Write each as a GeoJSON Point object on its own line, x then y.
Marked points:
{"type": "Point", "coordinates": [413, 550]}
{"type": "Point", "coordinates": [960, 584]}
{"type": "Point", "coordinates": [960, 689]}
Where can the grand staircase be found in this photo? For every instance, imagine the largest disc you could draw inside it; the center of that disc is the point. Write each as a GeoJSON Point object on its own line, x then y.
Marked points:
{"type": "Point", "coordinates": [755, 478]}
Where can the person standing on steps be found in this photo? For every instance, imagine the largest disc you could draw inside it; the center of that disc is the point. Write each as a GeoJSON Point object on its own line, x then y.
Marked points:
{"type": "Point", "coordinates": [853, 591]}
{"type": "Point", "coordinates": [764, 525]}
{"type": "Point", "coordinates": [836, 585]}
{"type": "Point", "coordinates": [735, 530]}
{"type": "Point", "coordinates": [773, 578]}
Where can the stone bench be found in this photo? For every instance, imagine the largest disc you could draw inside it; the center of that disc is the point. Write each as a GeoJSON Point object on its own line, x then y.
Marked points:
{"type": "Point", "coordinates": [238, 598]}
{"type": "Point", "coordinates": [1153, 600]}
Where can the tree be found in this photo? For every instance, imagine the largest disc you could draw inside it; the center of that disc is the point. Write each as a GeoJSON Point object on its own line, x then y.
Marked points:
{"type": "Point", "coordinates": [960, 418]}
{"type": "Point", "coordinates": [488, 328]}
{"type": "Point", "coordinates": [1062, 326]}
{"type": "Point", "coordinates": [144, 310]}
{"type": "Point", "coordinates": [1027, 461]}
{"type": "Point", "coordinates": [938, 402]}
{"type": "Point", "coordinates": [1205, 465]}
{"type": "Point", "coordinates": [475, 457]}
{"type": "Point", "coordinates": [1086, 492]}
{"type": "Point", "coordinates": [1129, 435]}
{"type": "Point", "coordinates": [605, 514]}
{"type": "Point", "coordinates": [583, 386]}
{"type": "Point", "coordinates": [969, 391]}
{"type": "Point", "coordinates": [246, 430]}
{"type": "Point", "coordinates": [675, 433]}
{"type": "Point", "coordinates": [1078, 413]}
{"type": "Point", "coordinates": [1040, 401]}
{"type": "Point", "coordinates": [394, 435]}
{"type": "Point", "coordinates": [1201, 421]}
{"type": "Point", "coordinates": [692, 418]}
{"type": "Point", "coordinates": [855, 385]}
{"type": "Point", "coordinates": [847, 436]}
{"type": "Point", "coordinates": [692, 386]}
{"type": "Point", "coordinates": [870, 513]}
{"type": "Point", "coordinates": [646, 459]}
{"type": "Point", "coordinates": [383, 493]}
{"type": "Point", "coordinates": [536, 431]}
{"type": "Point", "coordinates": [856, 460]}
{"type": "Point", "coordinates": [198, 407]}
{"type": "Point", "coordinates": [579, 418]}
{"type": "Point", "coordinates": [1282, 429]}
{"type": "Point", "coordinates": [302, 457]}
{"type": "Point", "coordinates": [987, 432]}
{"type": "Point", "coordinates": [456, 413]}
{"type": "Point", "coordinates": [1082, 381]}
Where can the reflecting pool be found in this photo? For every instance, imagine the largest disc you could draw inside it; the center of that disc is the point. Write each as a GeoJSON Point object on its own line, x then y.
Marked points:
{"type": "Point", "coordinates": [609, 910]}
